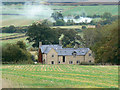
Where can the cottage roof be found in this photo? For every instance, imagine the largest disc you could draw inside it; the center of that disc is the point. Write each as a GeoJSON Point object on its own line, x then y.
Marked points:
{"type": "Point", "coordinates": [47, 48]}
{"type": "Point", "coordinates": [63, 51]}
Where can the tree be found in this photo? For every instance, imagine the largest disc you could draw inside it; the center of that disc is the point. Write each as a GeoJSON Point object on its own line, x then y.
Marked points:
{"type": "Point", "coordinates": [91, 36]}
{"type": "Point", "coordinates": [12, 53]}
{"type": "Point", "coordinates": [107, 15]}
{"type": "Point", "coordinates": [41, 32]}
{"type": "Point", "coordinates": [10, 29]}
{"type": "Point", "coordinates": [106, 50]}
{"type": "Point", "coordinates": [60, 22]}
{"type": "Point", "coordinates": [21, 45]}
{"type": "Point", "coordinates": [57, 15]}
{"type": "Point", "coordinates": [69, 37]}
{"type": "Point", "coordinates": [70, 22]}
{"type": "Point", "coordinates": [83, 27]}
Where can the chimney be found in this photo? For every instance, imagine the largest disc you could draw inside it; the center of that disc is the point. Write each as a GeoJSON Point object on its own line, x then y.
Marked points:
{"type": "Point", "coordinates": [60, 42]}
{"type": "Point", "coordinates": [76, 46]}
{"type": "Point", "coordinates": [40, 44]}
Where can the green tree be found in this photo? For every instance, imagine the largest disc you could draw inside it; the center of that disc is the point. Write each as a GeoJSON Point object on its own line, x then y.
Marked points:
{"type": "Point", "coordinates": [12, 53]}
{"type": "Point", "coordinates": [60, 22]}
{"type": "Point", "coordinates": [107, 15]}
{"type": "Point", "coordinates": [106, 50]}
{"type": "Point", "coordinates": [21, 44]}
{"type": "Point", "coordinates": [43, 33]}
{"type": "Point", "coordinates": [69, 37]}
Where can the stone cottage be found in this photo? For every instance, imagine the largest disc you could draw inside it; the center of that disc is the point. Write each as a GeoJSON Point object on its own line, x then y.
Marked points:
{"type": "Point", "coordinates": [55, 54]}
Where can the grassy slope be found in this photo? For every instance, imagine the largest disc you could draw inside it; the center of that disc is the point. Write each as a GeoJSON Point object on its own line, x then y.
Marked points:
{"type": "Point", "coordinates": [91, 10]}
{"type": "Point", "coordinates": [4, 42]}
{"type": "Point", "coordinates": [64, 76]}
{"type": "Point", "coordinates": [7, 34]}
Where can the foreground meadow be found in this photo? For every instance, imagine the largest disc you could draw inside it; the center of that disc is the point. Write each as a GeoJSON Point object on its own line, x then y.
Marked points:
{"type": "Point", "coordinates": [61, 76]}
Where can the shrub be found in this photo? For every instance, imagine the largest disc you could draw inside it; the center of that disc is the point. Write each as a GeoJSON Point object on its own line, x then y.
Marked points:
{"type": "Point", "coordinates": [87, 63]}
{"type": "Point", "coordinates": [12, 53]}
{"type": "Point", "coordinates": [83, 27]}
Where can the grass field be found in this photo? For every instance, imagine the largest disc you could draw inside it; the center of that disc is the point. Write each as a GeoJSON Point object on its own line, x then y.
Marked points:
{"type": "Point", "coordinates": [74, 26]}
{"type": "Point", "coordinates": [91, 10]}
{"type": "Point", "coordinates": [7, 34]}
{"type": "Point", "coordinates": [61, 76]}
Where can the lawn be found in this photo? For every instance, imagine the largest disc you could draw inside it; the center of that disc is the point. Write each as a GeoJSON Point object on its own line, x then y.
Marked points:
{"type": "Point", "coordinates": [61, 76]}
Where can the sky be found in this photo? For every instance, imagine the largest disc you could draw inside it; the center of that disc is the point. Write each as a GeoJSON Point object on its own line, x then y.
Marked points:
{"type": "Point", "coordinates": [62, 0]}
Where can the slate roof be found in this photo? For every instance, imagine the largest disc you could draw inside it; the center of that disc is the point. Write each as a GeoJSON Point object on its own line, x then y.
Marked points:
{"type": "Point", "coordinates": [63, 51]}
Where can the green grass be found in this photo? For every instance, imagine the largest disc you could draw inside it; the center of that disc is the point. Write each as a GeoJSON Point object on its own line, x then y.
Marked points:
{"type": "Point", "coordinates": [74, 26]}
{"type": "Point", "coordinates": [4, 42]}
{"type": "Point", "coordinates": [7, 34]}
{"type": "Point", "coordinates": [91, 10]}
{"type": "Point", "coordinates": [62, 76]}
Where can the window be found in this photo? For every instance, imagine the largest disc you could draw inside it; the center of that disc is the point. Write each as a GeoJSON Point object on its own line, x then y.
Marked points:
{"type": "Point", "coordinates": [78, 62]}
{"type": "Point", "coordinates": [52, 62]}
{"type": "Point", "coordinates": [63, 58]}
{"type": "Point", "coordinates": [89, 54]}
{"type": "Point", "coordinates": [89, 61]}
{"type": "Point", "coordinates": [52, 55]}
{"type": "Point", "coordinates": [74, 53]}
{"type": "Point", "coordinates": [59, 62]}
{"type": "Point", "coordinates": [70, 62]}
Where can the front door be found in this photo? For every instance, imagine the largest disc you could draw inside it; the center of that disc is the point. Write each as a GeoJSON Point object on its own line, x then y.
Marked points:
{"type": "Point", "coordinates": [52, 62]}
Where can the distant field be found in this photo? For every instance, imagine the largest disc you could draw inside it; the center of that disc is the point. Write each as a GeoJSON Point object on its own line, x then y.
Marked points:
{"type": "Point", "coordinates": [91, 10]}
{"type": "Point", "coordinates": [19, 20]}
{"type": "Point", "coordinates": [74, 26]}
{"type": "Point", "coordinates": [13, 38]}
{"type": "Point", "coordinates": [8, 20]}
{"type": "Point", "coordinates": [7, 34]}
{"type": "Point", "coordinates": [61, 76]}
{"type": "Point", "coordinates": [4, 42]}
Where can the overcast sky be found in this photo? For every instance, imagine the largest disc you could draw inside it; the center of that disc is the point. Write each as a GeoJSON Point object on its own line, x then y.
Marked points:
{"type": "Point", "coordinates": [61, 0]}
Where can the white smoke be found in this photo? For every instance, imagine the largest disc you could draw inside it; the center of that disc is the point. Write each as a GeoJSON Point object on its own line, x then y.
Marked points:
{"type": "Point", "coordinates": [36, 10]}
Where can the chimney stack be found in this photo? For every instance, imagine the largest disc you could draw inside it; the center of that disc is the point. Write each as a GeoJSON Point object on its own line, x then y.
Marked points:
{"type": "Point", "coordinates": [60, 42]}
{"type": "Point", "coordinates": [76, 46]}
{"type": "Point", "coordinates": [40, 44]}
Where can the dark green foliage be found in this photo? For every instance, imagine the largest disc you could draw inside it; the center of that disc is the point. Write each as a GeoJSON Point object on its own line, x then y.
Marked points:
{"type": "Point", "coordinates": [91, 36]}
{"type": "Point", "coordinates": [43, 33]}
{"type": "Point", "coordinates": [59, 22]}
{"type": "Point", "coordinates": [13, 29]}
{"type": "Point", "coordinates": [70, 22]}
{"type": "Point", "coordinates": [14, 53]}
{"type": "Point", "coordinates": [104, 43]}
{"type": "Point", "coordinates": [21, 45]}
{"type": "Point", "coordinates": [70, 37]}
{"type": "Point", "coordinates": [87, 63]}
{"type": "Point", "coordinates": [83, 27]}
{"type": "Point", "coordinates": [57, 15]}
{"type": "Point", "coordinates": [107, 15]}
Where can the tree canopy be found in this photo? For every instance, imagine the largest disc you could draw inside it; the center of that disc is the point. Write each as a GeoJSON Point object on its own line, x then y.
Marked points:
{"type": "Point", "coordinates": [104, 43]}
{"type": "Point", "coordinates": [41, 33]}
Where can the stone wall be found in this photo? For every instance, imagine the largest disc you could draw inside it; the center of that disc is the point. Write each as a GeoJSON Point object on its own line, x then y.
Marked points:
{"type": "Point", "coordinates": [52, 56]}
